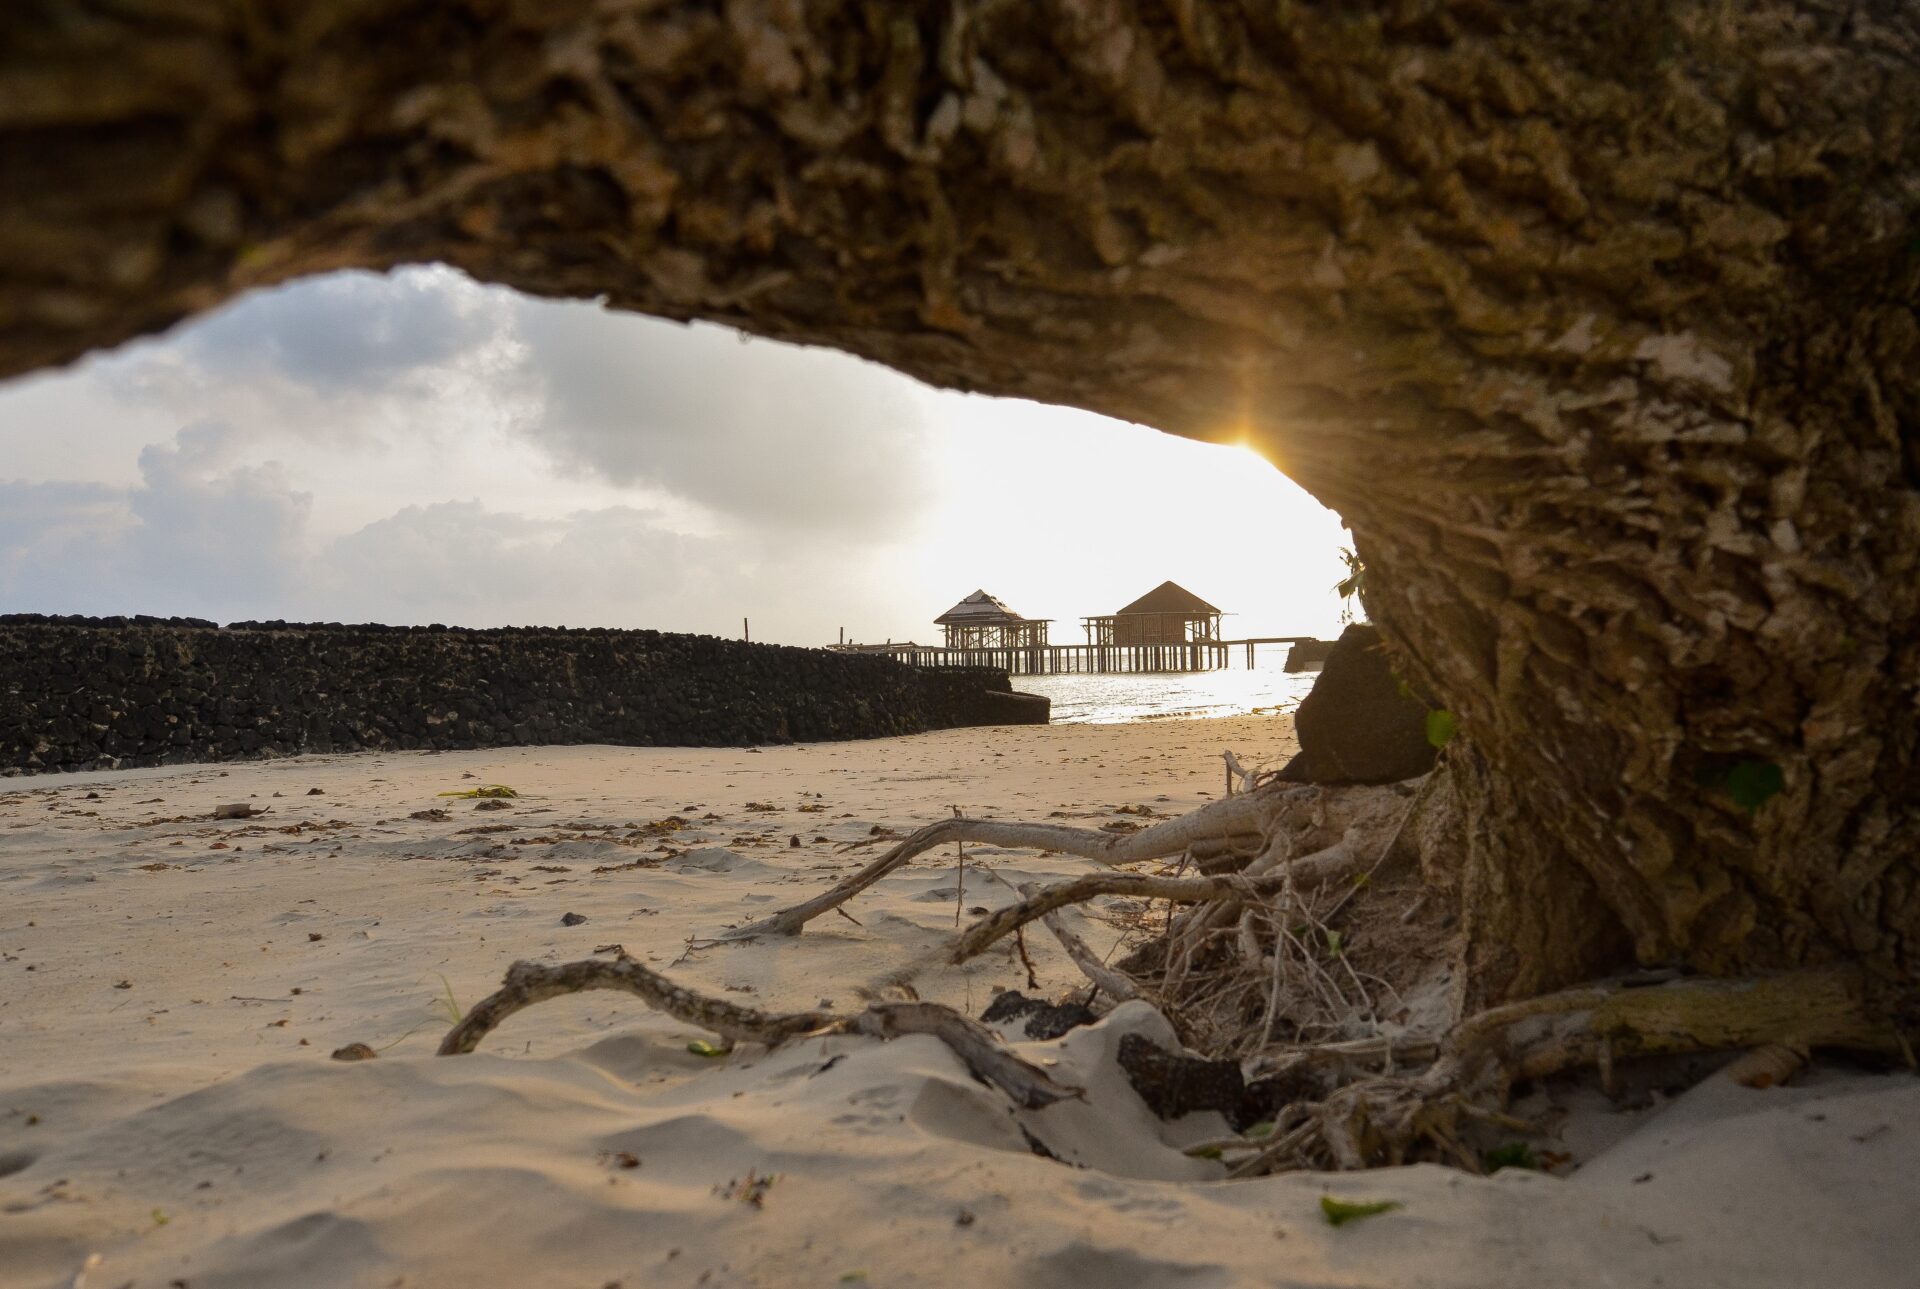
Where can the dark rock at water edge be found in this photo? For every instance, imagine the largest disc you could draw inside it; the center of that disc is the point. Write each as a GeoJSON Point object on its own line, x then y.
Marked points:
{"type": "Point", "coordinates": [1011, 707]}
{"type": "Point", "coordinates": [1308, 655]}
{"type": "Point", "coordinates": [1359, 724]}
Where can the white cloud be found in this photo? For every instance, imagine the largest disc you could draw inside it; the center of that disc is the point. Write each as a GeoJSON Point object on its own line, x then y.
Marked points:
{"type": "Point", "coordinates": [199, 535]}
{"type": "Point", "coordinates": [772, 435]}
{"type": "Point", "coordinates": [460, 562]}
{"type": "Point", "coordinates": [56, 539]}
{"type": "Point", "coordinates": [418, 448]}
{"type": "Point", "coordinates": [358, 332]}
{"type": "Point", "coordinates": [351, 360]}
{"type": "Point", "coordinates": [425, 360]}
{"type": "Point", "coordinates": [205, 534]}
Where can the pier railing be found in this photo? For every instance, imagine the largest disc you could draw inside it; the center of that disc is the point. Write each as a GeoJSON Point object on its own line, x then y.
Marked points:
{"type": "Point", "coordinates": [1047, 660]}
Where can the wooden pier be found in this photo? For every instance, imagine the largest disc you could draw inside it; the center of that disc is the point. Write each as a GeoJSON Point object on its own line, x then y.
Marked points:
{"type": "Point", "coordinates": [1169, 629]}
{"type": "Point", "coordinates": [1096, 659]}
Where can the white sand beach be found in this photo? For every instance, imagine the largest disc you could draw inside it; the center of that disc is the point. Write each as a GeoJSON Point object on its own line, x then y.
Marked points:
{"type": "Point", "coordinates": [171, 989]}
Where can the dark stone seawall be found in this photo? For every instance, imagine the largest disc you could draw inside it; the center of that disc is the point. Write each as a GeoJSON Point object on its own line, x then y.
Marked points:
{"type": "Point", "coordinates": [80, 693]}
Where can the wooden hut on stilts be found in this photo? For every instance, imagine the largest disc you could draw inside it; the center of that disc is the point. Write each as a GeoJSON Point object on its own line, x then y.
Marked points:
{"type": "Point", "coordinates": [984, 632]}
{"type": "Point", "coordinates": [1167, 629]}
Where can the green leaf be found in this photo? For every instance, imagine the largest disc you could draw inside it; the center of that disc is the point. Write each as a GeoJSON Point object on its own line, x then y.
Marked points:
{"type": "Point", "coordinates": [1354, 584]}
{"type": "Point", "coordinates": [1262, 1129]}
{"type": "Point", "coordinates": [1339, 1212]}
{"type": "Point", "coordinates": [701, 1047]}
{"type": "Point", "coordinates": [1440, 727]}
{"type": "Point", "coordinates": [1515, 1154]}
{"type": "Point", "coordinates": [1209, 1150]}
{"type": "Point", "coordinates": [1752, 783]}
{"type": "Point", "coordinates": [1334, 942]}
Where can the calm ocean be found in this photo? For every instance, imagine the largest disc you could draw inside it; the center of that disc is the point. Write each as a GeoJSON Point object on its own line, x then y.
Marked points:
{"type": "Point", "coordinates": [1157, 696]}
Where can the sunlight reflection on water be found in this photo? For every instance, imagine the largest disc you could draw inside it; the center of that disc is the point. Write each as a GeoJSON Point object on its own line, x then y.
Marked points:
{"type": "Point", "coordinates": [1152, 696]}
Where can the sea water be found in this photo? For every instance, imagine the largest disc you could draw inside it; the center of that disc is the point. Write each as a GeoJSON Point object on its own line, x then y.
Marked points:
{"type": "Point", "coordinates": [1156, 696]}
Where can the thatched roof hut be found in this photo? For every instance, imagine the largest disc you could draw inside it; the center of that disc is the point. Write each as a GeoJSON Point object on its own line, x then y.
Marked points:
{"type": "Point", "coordinates": [1171, 597]}
{"type": "Point", "coordinates": [982, 621]}
{"type": "Point", "coordinates": [1168, 614]}
{"type": "Point", "coordinates": [978, 609]}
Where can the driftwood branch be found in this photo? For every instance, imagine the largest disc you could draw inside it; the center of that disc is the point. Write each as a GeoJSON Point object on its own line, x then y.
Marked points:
{"type": "Point", "coordinates": [1248, 813]}
{"type": "Point", "coordinates": [528, 983]}
{"type": "Point", "coordinates": [1181, 890]}
{"type": "Point", "coordinates": [1321, 866]}
{"type": "Point", "coordinates": [1115, 984]}
{"type": "Point", "coordinates": [975, 1045]}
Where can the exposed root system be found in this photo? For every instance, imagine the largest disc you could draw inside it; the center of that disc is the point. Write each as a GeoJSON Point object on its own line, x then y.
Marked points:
{"type": "Point", "coordinates": [1249, 815]}
{"type": "Point", "coordinates": [1308, 960]}
{"type": "Point", "coordinates": [1363, 1113]}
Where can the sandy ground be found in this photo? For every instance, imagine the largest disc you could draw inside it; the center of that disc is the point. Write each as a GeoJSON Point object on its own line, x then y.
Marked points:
{"type": "Point", "coordinates": [171, 988]}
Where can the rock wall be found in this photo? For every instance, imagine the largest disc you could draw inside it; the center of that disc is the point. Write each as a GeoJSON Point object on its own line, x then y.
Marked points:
{"type": "Point", "coordinates": [96, 693]}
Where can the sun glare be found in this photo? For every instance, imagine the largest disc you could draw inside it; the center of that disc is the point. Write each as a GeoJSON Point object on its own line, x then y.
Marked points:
{"type": "Point", "coordinates": [1064, 514]}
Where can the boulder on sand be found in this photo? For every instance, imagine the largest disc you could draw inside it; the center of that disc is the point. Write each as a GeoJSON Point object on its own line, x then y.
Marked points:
{"type": "Point", "coordinates": [1359, 724]}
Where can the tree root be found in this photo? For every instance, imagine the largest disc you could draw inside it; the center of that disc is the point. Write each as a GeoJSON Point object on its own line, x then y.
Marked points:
{"type": "Point", "coordinates": [1265, 950]}
{"type": "Point", "coordinates": [1220, 822]}
{"type": "Point", "coordinates": [1542, 1036]}
{"type": "Point", "coordinates": [1115, 985]}
{"type": "Point", "coordinates": [1387, 1118]}
{"type": "Point", "coordinates": [1030, 1086]}
{"type": "Point", "coordinates": [1180, 890]}
{"type": "Point", "coordinates": [528, 983]}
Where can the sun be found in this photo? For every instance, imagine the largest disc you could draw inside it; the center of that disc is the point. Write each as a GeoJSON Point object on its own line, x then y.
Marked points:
{"type": "Point", "coordinates": [1063, 514]}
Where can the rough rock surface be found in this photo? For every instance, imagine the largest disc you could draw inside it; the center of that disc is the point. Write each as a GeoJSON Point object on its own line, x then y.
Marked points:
{"type": "Point", "coordinates": [1594, 319]}
{"type": "Point", "coordinates": [1359, 724]}
{"type": "Point", "coordinates": [78, 693]}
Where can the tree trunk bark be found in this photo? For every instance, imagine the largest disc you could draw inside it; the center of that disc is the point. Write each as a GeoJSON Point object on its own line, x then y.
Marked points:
{"type": "Point", "coordinates": [1594, 318]}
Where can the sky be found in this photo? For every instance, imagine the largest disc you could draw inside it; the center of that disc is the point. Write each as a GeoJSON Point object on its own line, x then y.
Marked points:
{"type": "Point", "coordinates": [417, 448]}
